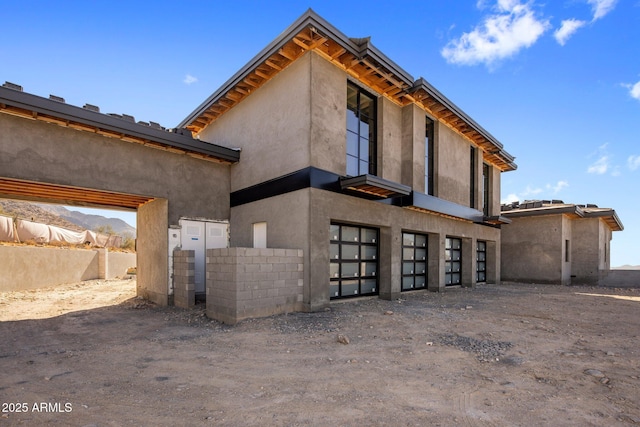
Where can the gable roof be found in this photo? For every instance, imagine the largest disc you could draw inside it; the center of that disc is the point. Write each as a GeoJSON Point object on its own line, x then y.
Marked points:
{"type": "Point", "coordinates": [360, 59]}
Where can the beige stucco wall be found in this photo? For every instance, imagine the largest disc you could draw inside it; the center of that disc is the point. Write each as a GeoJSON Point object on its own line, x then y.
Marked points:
{"type": "Point", "coordinates": [328, 116]}
{"type": "Point", "coordinates": [532, 249]}
{"type": "Point", "coordinates": [413, 148]}
{"type": "Point", "coordinates": [271, 127]}
{"type": "Point", "coordinates": [390, 129]}
{"type": "Point", "coordinates": [585, 250]}
{"type": "Point", "coordinates": [453, 166]}
{"type": "Point", "coordinates": [591, 238]}
{"type": "Point", "coordinates": [28, 267]}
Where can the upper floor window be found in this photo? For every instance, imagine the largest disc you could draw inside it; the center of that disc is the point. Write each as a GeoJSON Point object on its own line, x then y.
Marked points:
{"type": "Point", "coordinates": [428, 157]}
{"type": "Point", "coordinates": [361, 132]}
{"type": "Point", "coordinates": [472, 173]}
{"type": "Point", "coordinates": [486, 198]}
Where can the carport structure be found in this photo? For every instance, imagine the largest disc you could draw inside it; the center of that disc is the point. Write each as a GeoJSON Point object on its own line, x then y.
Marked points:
{"type": "Point", "coordinates": [54, 152]}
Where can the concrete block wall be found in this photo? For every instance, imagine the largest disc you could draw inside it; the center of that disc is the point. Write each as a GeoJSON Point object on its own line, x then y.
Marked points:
{"type": "Point", "coordinates": [245, 283]}
{"type": "Point", "coordinates": [184, 278]}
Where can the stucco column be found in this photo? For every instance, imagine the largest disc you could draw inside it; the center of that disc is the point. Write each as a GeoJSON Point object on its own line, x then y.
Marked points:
{"type": "Point", "coordinates": [153, 251]}
{"type": "Point", "coordinates": [435, 277]}
{"type": "Point", "coordinates": [468, 266]}
{"type": "Point", "coordinates": [390, 262]}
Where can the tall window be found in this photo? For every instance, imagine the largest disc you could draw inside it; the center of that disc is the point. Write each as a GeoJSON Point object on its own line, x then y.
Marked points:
{"type": "Point", "coordinates": [472, 181]}
{"type": "Point", "coordinates": [361, 132]}
{"type": "Point", "coordinates": [485, 188]}
{"type": "Point", "coordinates": [428, 157]}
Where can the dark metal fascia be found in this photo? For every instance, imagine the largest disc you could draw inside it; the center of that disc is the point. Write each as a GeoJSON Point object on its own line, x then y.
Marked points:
{"type": "Point", "coordinates": [438, 205]}
{"type": "Point", "coordinates": [321, 26]}
{"type": "Point", "coordinates": [40, 105]}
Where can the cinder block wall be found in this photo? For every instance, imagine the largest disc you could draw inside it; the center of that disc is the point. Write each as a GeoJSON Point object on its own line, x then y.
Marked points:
{"type": "Point", "coordinates": [244, 283]}
{"type": "Point", "coordinates": [184, 278]}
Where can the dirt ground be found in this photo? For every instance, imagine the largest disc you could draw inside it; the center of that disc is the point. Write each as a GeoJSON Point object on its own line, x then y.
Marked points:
{"type": "Point", "coordinates": [91, 354]}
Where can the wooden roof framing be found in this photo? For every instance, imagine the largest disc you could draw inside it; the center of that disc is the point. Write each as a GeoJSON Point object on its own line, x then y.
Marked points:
{"type": "Point", "coordinates": [361, 60]}
{"type": "Point", "coordinates": [30, 190]}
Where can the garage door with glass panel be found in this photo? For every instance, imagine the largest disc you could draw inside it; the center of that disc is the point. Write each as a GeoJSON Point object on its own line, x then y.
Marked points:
{"type": "Point", "coordinates": [414, 261]}
{"type": "Point", "coordinates": [453, 261]}
{"type": "Point", "coordinates": [481, 261]}
{"type": "Point", "coordinates": [353, 261]}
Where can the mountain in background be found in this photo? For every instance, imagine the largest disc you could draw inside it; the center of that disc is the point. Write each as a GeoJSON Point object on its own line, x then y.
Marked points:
{"type": "Point", "coordinates": [62, 217]}
{"type": "Point", "coordinates": [627, 267]}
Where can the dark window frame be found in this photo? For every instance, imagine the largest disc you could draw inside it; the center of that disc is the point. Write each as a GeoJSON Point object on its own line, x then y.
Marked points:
{"type": "Point", "coordinates": [360, 152]}
{"type": "Point", "coordinates": [486, 188]}
{"type": "Point", "coordinates": [472, 179]}
{"type": "Point", "coordinates": [414, 257]}
{"type": "Point", "coordinates": [359, 247]}
{"type": "Point", "coordinates": [428, 156]}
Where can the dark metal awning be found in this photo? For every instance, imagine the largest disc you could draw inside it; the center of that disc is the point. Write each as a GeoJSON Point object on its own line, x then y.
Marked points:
{"type": "Point", "coordinates": [375, 186]}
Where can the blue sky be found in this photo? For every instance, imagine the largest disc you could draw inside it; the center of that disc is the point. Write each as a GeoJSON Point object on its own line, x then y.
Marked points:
{"type": "Point", "coordinates": [558, 83]}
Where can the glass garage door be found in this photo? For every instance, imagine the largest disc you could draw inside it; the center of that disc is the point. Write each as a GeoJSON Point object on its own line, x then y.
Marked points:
{"type": "Point", "coordinates": [414, 261]}
{"type": "Point", "coordinates": [481, 261]}
{"type": "Point", "coordinates": [453, 261]}
{"type": "Point", "coordinates": [353, 261]}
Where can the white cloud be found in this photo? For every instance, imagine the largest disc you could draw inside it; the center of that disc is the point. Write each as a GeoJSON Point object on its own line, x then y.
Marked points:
{"type": "Point", "coordinates": [510, 199]}
{"type": "Point", "coordinates": [189, 79]}
{"type": "Point", "coordinates": [512, 27]}
{"type": "Point", "coordinates": [566, 30]}
{"type": "Point", "coordinates": [600, 166]}
{"type": "Point", "coordinates": [601, 7]}
{"type": "Point", "coordinates": [635, 91]}
{"type": "Point", "coordinates": [531, 191]}
{"type": "Point", "coordinates": [558, 186]}
{"type": "Point", "coordinates": [633, 162]}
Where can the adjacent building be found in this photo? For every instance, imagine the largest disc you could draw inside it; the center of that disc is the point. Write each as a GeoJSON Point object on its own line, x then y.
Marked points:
{"type": "Point", "coordinates": [549, 241]}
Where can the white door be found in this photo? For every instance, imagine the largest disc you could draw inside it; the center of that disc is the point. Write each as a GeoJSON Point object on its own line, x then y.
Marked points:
{"type": "Point", "coordinates": [200, 236]}
{"type": "Point", "coordinates": [193, 238]}
{"type": "Point", "coordinates": [217, 235]}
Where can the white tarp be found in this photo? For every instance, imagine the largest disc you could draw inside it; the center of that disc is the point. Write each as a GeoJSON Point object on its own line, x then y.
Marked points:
{"type": "Point", "coordinates": [25, 231]}
{"type": "Point", "coordinates": [57, 234]}
{"type": "Point", "coordinates": [32, 231]}
{"type": "Point", "coordinates": [7, 230]}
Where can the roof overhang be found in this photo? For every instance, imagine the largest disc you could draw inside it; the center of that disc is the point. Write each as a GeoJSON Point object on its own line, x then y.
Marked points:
{"type": "Point", "coordinates": [362, 61]}
{"type": "Point", "coordinates": [375, 186]}
{"type": "Point", "coordinates": [18, 103]}
{"type": "Point", "coordinates": [609, 216]}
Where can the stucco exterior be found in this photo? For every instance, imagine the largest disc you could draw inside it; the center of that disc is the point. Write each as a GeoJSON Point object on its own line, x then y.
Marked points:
{"type": "Point", "coordinates": [557, 243]}
{"type": "Point", "coordinates": [175, 185]}
{"type": "Point", "coordinates": [288, 112]}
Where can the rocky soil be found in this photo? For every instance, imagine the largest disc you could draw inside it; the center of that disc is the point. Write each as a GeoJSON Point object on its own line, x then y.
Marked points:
{"type": "Point", "coordinates": [92, 354]}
